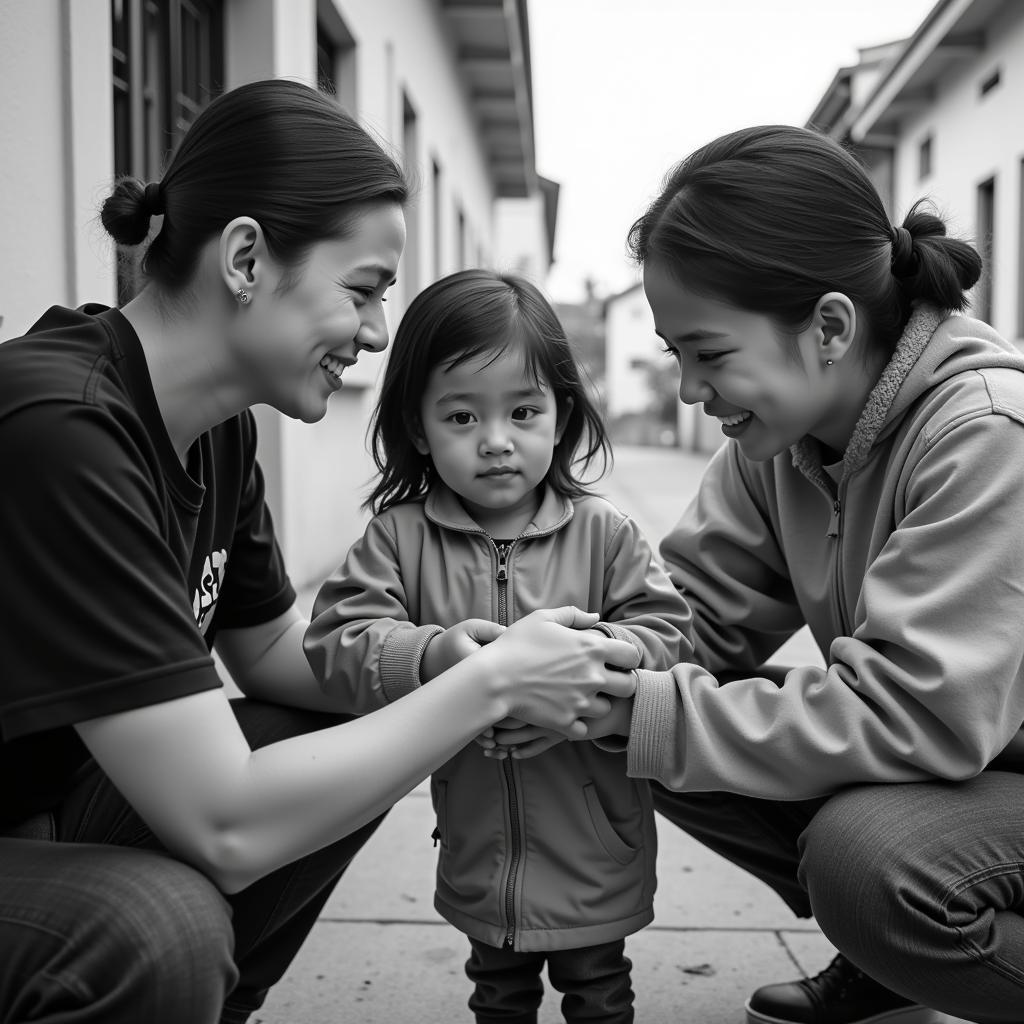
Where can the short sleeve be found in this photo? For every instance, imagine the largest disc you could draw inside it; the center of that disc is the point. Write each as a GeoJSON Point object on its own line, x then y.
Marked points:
{"type": "Point", "coordinates": [95, 606]}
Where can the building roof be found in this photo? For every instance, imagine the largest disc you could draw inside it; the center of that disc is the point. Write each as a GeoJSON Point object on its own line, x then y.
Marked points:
{"type": "Point", "coordinates": [906, 73]}
{"type": "Point", "coordinates": [492, 51]}
{"type": "Point", "coordinates": [619, 295]}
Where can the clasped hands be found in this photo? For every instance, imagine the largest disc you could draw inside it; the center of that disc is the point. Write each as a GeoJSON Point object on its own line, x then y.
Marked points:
{"type": "Point", "coordinates": [577, 683]}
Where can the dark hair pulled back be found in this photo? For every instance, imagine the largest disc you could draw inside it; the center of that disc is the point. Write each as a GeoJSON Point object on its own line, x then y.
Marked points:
{"type": "Point", "coordinates": [277, 151]}
{"type": "Point", "coordinates": [771, 218]}
{"type": "Point", "coordinates": [456, 319]}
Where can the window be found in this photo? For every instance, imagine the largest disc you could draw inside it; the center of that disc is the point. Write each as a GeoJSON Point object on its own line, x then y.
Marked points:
{"type": "Point", "coordinates": [924, 157]}
{"type": "Point", "coordinates": [410, 158]}
{"type": "Point", "coordinates": [460, 237]}
{"type": "Point", "coordinates": [335, 56]}
{"type": "Point", "coordinates": [326, 61]}
{"type": "Point", "coordinates": [168, 64]}
{"type": "Point", "coordinates": [986, 219]}
{"type": "Point", "coordinates": [435, 195]}
{"type": "Point", "coordinates": [988, 84]}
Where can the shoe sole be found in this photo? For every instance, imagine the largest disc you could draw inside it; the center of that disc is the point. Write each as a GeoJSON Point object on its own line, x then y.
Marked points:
{"type": "Point", "coordinates": [908, 1015]}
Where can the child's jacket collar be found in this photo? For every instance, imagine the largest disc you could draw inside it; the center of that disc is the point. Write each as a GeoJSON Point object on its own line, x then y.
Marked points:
{"type": "Point", "coordinates": [442, 506]}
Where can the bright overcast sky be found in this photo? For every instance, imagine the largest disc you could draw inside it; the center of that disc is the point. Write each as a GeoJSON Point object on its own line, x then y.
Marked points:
{"type": "Point", "coordinates": [625, 88]}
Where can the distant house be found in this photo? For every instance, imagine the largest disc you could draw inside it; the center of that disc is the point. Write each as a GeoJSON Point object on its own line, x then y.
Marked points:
{"type": "Point", "coordinates": [939, 115]}
{"type": "Point", "coordinates": [642, 381]}
{"type": "Point", "coordinates": [584, 326]}
{"type": "Point", "coordinates": [631, 348]}
{"type": "Point", "coordinates": [96, 88]}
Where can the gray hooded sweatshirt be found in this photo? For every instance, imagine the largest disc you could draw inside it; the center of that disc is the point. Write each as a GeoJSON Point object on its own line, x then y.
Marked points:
{"type": "Point", "coordinates": [906, 561]}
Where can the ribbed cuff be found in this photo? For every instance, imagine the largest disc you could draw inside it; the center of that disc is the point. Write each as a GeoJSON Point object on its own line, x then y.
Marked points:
{"type": "Point", "coordinates": [616, 632]}
{"type": "Point", "coordinates": [400, 659]}
{"type": "Point", "coordinates": [652, 730]}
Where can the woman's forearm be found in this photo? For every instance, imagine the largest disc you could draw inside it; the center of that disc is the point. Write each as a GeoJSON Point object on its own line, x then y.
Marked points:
{"type": "Point", "coordinates": [304, 793]}
{"type": "Point", "coordinates": [238, 814]}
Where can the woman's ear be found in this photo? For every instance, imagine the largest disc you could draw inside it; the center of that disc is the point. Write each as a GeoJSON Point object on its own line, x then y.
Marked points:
{"type": "Point", "coordinates": [834, 327]}
{"type": "Point", "coordinates": [244, 261]}
{"type": "Point", "coordinates": [563, 418]}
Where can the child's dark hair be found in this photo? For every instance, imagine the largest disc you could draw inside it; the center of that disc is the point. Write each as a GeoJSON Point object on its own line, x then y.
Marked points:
{"type": "Point", "coordinates": [452, 321]}
{"type": "Point", "coordinates": [770, 218]}
{"type": "Point", "coordinates": [277, 151]}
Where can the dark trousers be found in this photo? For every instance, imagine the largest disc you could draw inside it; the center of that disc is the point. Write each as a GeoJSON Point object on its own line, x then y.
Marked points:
{"type": "Point", "coordinates": [921, 885]}
{"type": "Point", "coordinates": [594, 982]}
{"type": "Point", "coordinates": [103, 926]}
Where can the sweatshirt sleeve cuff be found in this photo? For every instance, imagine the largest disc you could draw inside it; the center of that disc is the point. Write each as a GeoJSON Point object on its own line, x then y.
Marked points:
{"type": "Point", "coordinates": [616, 632]}
{"type": "Point", "coordinates": [400, 660]}
{"type": "Point", "coordinates": [653, 729]}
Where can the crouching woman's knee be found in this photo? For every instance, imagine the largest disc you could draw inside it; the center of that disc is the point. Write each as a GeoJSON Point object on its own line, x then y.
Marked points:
{"type": "Point", "coordinates": [854, 860]}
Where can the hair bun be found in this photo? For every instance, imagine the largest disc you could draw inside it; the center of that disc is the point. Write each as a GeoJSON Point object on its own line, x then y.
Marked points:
{"type": "Point", "coordinates": [904, 259]}
{"type": "Point", "coordinates": [942, 269]}
{"type": "Point", "coordinates": [126, 211]}
{"type": "Point", "coordinates": [153, 199]}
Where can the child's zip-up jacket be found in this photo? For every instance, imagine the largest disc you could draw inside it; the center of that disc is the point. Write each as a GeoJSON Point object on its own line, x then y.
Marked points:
{"type": "Point", "coordinates": [551, 852]}
{"type": "Point", "coordinates": [907, 562]}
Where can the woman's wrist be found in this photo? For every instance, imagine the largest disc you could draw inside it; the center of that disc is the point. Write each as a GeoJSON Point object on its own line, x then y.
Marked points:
{"type": "Point", "coordinates": [482, 686]}
{"type": "Point", "coordinates": [491, 676]}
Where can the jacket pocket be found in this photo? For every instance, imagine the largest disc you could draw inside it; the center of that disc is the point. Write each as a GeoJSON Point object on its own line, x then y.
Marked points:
{"type": "Point", "coordinates": [616, 847]}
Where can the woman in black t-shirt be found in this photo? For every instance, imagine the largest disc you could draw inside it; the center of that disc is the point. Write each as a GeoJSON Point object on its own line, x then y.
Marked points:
{"type": "Point", "coordinates": [164, 852]}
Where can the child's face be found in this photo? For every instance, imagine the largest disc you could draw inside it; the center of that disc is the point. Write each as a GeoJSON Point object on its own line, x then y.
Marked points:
{"type": "Point", "coordinates": [490, 432]}
{"type": "Point", "coordinates": [766, 392]}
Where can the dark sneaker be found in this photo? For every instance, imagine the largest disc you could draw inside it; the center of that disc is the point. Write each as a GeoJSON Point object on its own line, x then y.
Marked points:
{"type": "Point", "coordinates": [841, 994]}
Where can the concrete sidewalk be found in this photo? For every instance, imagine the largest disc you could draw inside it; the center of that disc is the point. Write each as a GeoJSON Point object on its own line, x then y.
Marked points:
{"type": "Point", "coordinates": [381, 955]}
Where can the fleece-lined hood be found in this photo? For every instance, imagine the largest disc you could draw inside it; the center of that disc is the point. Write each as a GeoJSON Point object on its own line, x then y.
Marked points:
{"type": "Point", "coordinates": [933, 348]}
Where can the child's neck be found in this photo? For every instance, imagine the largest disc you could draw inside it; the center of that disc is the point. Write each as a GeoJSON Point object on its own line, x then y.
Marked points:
{"type": "Point", "coordinates": [503, 524]}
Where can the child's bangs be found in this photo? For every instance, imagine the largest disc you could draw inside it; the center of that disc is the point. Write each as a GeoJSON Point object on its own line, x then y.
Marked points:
{"type": "Point", "coordinates": [537, 356]}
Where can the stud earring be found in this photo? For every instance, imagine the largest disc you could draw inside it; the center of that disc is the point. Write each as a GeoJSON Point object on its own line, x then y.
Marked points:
{"type": "Point", "coordinates": [242, 295]}
{"type": "Point", "coordinates": [828, 362]}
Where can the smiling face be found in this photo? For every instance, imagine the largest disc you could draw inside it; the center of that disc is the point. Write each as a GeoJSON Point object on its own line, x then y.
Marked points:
{"type": "Point", "coordinates": [490, 430]}
{"type": "Point", "coordinates": [292, 344]}
{"type": "Point", "coordinates": [766, 390]}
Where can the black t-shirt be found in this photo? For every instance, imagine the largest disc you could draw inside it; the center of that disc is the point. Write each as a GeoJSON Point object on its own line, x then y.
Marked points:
{"type": "Point", "coordinates": [117, 564]}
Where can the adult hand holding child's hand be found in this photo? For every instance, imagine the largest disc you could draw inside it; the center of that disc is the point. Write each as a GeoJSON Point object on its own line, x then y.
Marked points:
{"type": "Point", "coordinates": [455, 643]}
{"type": "Point", "coordinates": [512, 737]}
{"type": "Point", "coordinates": [555, 671]}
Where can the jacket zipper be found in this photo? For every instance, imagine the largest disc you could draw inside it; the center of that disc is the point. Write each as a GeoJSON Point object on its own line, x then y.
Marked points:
{"type": "Point", "coordinates": [835, 531]}
{"type": "Point", "coordinates": [833, 523]}
{"type": "Point", "coordinates": [515, 837]}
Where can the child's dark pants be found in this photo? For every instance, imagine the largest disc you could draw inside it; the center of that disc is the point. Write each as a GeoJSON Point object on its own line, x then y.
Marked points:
{"type": "Point", "coordinates": [594, 982]}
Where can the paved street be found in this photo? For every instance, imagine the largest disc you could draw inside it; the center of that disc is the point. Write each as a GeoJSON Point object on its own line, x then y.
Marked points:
{"type": "Point", "coordinates": [381, 955]}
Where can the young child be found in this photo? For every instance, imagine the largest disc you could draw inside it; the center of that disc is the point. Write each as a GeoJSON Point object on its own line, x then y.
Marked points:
{"type": "Point", "coordinates": [482, 423]}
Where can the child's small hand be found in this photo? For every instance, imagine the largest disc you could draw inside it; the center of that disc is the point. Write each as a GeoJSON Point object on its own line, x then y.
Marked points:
{"type": "Point", "coordinates": [488, 739]}
{"type": "Point", "coordinates": [455, 643]}
{"type": "Point", "coordinates": [513, 738]}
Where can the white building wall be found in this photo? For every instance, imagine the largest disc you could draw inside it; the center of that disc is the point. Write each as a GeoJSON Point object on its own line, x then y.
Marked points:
{"type": "Point", "coordinates": [629, 340]}
{"type": "Point", "coordinates": [58, 157]}
{"type": "Point", "coordinates": [317, 474]}
{"type": "Point", "coordinates": [522, 238]}
{"type": "Point", "coordinates": [974, 138]}
{"type": "Point", "coordinates": [56, 113]}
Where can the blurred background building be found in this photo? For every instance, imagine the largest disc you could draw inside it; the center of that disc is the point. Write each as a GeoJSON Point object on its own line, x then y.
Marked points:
{"type": "Point", "coordinates": [936, 115]}
{"type": "Point", "coordinates": [94, 88]}
{"type": "Point", "coordinates": [90, 89]}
